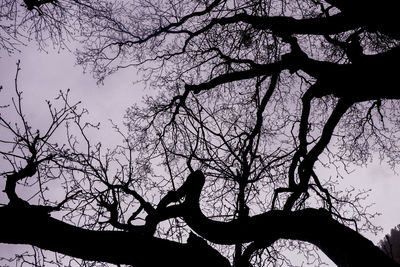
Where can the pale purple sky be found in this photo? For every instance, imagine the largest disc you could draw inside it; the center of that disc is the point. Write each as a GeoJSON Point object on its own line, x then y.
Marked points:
{"type": "Point", "coordinates": [43, 75]}
{"type": "Point", "coordinates": [41, 78]}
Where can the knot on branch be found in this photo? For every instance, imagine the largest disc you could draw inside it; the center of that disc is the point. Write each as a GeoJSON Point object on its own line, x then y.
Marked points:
{"type": "Point", "coordinates": [295, 59]}
{"type": "Point", "coordinates": [189, 191]}
{"type": "Point", "coordinates": [195, 89]}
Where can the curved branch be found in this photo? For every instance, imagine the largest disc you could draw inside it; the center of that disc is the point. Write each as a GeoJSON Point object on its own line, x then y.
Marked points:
{"type": "Point", "coordinates": [305, 168]}
{"type": "Point", "coordinates": [343, 245]}
{"type": "Point", "coordinates": [25, 226]}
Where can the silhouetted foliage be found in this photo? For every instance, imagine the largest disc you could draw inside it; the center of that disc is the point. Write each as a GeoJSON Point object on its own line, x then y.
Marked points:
{"type": "Point", "coordinates": [262, 108]}
{"type": "Point", "coordinates": [391, 244]}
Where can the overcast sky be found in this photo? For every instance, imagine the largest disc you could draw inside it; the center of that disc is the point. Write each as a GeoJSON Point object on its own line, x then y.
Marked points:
{"type": "Point", "coordinates": [41, 78]}
{"type": "Point", "coordinates": [43, 75]}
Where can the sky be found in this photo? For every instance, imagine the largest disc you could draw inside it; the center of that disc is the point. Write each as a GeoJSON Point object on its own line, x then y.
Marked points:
{"type": "Point", "coordinates": [41, 78]}
{"type": "Point", "coordinates": [44, 74]}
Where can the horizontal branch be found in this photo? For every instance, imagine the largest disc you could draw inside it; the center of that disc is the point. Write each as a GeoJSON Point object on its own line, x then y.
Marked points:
{"type": "Point", "coordinates": [372, 77]}
{"type": "Point", "coordinates": [375, 16]}
{"type": "Point", "coordinates": [288, 25]}
{"type": "Point", "coordinates": [26, 226]}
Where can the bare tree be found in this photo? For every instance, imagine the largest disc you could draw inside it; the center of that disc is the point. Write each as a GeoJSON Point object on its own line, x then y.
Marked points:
{"type": "Point", "coordinates": [51, 23]}
{"type": "Point", "coordinates": [258, 99]}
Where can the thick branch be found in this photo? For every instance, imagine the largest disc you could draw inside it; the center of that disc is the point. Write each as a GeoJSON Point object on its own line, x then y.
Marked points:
{"type": "Point", "coordinates": [340, 243]}
{"type": "Point", "coordinates": [25, 226]}
{"type": "Point", "coordinates": [257, 70]}
{"type": "Point", "coordinates": [376, 16]}
{"type": "Point", "coordinates": [372, 77]}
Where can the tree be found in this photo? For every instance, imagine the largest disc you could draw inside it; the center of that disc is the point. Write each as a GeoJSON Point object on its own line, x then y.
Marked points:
{"type": "Point", "coordinates": [257, 99]}
{"type": "Point", "coordinates": [391, 244]}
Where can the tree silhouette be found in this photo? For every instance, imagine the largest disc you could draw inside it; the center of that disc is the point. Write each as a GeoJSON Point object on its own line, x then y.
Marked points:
{"type": "Point", "coordinates": [391, 244]}
{"type": "Point", "coordinates": [257, 100]}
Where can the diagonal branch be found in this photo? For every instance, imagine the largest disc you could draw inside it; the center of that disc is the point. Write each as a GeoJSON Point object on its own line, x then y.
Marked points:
{"type": "Point", "coordinates": [25, 226]}
{"type": "Point", "coordinates": [305, 168]}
